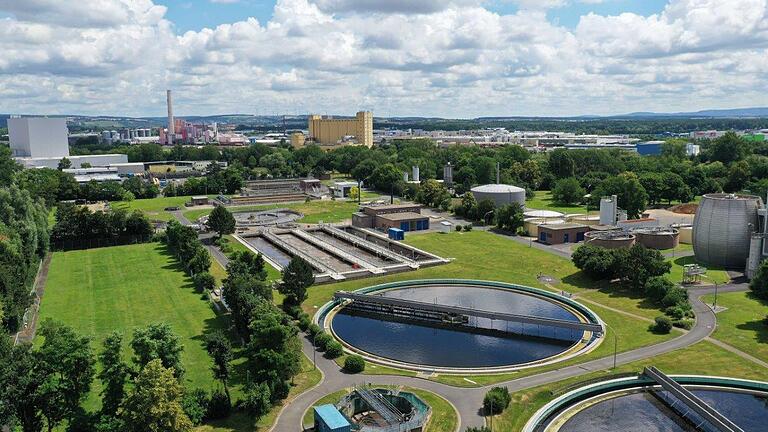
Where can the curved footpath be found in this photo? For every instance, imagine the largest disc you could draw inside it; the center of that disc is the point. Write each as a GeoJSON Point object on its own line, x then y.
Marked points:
{"type": "Point", "coordinates": [468, 401]}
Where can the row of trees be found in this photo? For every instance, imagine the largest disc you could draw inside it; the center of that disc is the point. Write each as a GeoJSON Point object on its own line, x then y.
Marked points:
{"type": "Point", "coordinates": [183, 243]}
{"type": "Point", "coordinates": [44, 387]}
{"type": "Point", "coordinates": [78, 224]}
{"type": "Point", "coordinates": [272, 345]}
{"type": "Point", "coordinates": [24, 240]}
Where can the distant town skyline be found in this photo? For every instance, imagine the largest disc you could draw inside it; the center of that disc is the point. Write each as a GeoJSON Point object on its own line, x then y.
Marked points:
{"type": "Point", "coordinates": [453, 59]}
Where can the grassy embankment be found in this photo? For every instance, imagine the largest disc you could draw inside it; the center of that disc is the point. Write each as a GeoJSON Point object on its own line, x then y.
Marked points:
{"type": "Point", "coordinates": [98, 291]}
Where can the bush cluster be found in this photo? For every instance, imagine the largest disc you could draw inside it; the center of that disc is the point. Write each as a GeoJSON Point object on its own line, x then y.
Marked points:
{"type": "Point", "coordinates": [354, 364]}
{"type": "Point", "coordinates": [496, 400]}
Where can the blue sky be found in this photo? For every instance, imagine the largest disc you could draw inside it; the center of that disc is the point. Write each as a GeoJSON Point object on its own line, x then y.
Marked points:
{"type": "Point", "coordinates": [197, 14]}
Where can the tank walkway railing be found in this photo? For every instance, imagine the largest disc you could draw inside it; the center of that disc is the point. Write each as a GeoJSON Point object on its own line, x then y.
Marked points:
{"type": "Point", "coordinates": [709, 414]}
{"type": "Point", "coordinates": [378, 403]}
{"type": "Point", "coordinates": [295, 251]}
{"type": "Point", "coordinates": [365, 244]}
{"type": "Point", "coordinates": [417, 307]}
{"type": "Point", "coordinates": [309, 238]}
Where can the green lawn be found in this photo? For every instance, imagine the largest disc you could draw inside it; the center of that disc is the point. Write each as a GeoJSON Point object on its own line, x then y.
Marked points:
{"type": "Point", "coordinates": [742, 325]}
{"type": "Point", "coordinates": [713, 274]}
{"type": "Point", "coordinates": [543, 201]}
{"type": "Point", "coordinates": [154, 208]}
{"type": "Point", "coordinates": [443, 418]}
{"type": "Point", "coordinates": [702, 358]}
{"type": "Point", "coordinates": [97, 291]}
{"type": "Point", "coordinates": [314, 211]}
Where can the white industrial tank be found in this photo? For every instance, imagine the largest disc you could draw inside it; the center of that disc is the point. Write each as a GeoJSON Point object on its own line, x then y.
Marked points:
{"type": "Point", "coordinates": [722, 229]}
{"type": "Point", "coordinates": [500, 194]}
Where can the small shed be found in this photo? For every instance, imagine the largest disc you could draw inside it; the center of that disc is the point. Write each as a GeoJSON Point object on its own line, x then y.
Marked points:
{"type": "Point", "coordinates": [329, 419]}
{"type": "Point", "coordinates": [562, 233]}
{"type": "Point", "coordinates": [396, 234]}
{"type": "Point", "coordinates": [199, 200]}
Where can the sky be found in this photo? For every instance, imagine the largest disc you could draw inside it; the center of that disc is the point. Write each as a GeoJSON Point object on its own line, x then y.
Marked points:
{"type": "Point", "coordinates": [446, 58]}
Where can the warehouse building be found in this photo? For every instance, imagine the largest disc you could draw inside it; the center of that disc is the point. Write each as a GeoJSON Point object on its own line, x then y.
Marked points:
{"type": "Point", "coordinates": [406, 217]}
{"type": "Point", "coordinates": [552, 234]}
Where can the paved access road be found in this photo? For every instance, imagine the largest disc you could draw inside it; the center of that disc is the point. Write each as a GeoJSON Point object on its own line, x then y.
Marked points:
{"type": "Point", "coordinates": [468, 401]}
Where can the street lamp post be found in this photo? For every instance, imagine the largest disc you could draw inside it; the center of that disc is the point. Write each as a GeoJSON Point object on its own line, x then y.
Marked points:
{"type": "Point", "coordinates": [615, 345]}
{"type": "Point", "coordinates": [314, 351]}
{"type": "Point", "coordinates": [714, 302]}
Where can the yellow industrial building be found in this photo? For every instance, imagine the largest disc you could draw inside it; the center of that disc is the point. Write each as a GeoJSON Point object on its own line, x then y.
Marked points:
{"type": "Point", "coordinates": [331, 133]}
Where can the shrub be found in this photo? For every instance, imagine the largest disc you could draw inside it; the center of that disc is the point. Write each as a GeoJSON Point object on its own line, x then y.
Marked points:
{"type": "Point", "coordinates": [280, 390]}
{"type": "Point", "coordinates": [477, 429]}
{"type": "Point", "coordinates": [304, 322]}
{"type": "Point", "coordinates": [674, 297]}
{"type": "Point", "coordinates": [354, 364]}
{"type": "Point", "coordinates": [496, 400]}
{"type": "Point", "coordinates": [322, 340]}
{"type": "Point", "coordinates": [657, 288]}
{"type": "Point", "coordinates": [334, 350]}
{"type": "Point", "coordinates": [468, 227]}
{"type": "Point", "coordinates": [219, 406]}
{"type": "Point", "coordinates": [759, 283]}
{"type": "Point", "coordinates": [686, 324]}
{"type": "Point", "coordinates": [597, 262]}
{"type": "Point", "coordinates": [195, 405]}
{"type": "Point", "coordinates": [204, 281]}
{"type": "Point", "coordinates": [257, 400]}
{"type": "Point", "coordinates": [679, 311]}
{"type": "Point", "coordinates": [661, 325]}
{"type": "Point", "coordinates": [458, 228]}
{"type": "Point", "coordinates": [313, 329]}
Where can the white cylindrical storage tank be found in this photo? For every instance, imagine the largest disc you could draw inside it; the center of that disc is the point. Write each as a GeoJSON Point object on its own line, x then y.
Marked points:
{"type": "Point", "coordinates": [608, 210]}
{"type": "Point", "coordinates": [500, 194]}
{"type": "Point", "coordinates": [415, 175]}
{"type": "Point", "coordinates": [722, 229]}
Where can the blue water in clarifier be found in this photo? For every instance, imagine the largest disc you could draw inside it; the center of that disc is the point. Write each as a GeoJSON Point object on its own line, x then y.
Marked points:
{"type": "Point", "coordinates": [417, 343]}
{"type": "Point", "coordinates": [642, 412]}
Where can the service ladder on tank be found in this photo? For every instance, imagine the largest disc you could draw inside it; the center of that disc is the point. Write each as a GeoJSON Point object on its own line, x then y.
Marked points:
{"type": "Point", "coordinates": [711, 415]}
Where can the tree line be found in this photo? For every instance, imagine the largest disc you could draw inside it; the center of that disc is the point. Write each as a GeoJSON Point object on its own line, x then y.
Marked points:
{"type": "Point", "coordinates": [77, 225]}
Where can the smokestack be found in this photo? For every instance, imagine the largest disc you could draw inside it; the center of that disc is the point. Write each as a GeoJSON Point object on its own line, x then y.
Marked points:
{"type": "Point", "coordinates": [171, 125]}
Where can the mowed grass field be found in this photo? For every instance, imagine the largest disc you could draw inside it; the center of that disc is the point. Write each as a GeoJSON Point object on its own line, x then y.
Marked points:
{"type": "Point", "coordinates": [98, 291]}
{"type": "Point", "coordinates": [743, 324]}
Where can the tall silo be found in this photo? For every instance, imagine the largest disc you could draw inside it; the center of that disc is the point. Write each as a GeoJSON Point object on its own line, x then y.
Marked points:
{"type": "Point", "coordinates": [722, 229]}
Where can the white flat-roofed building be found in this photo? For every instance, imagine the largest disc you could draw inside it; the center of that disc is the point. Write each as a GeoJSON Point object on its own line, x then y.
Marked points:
{"type": "Point", "coordinates": [76, 161]}
{"type": "Point", "coordinates": [36, 137]}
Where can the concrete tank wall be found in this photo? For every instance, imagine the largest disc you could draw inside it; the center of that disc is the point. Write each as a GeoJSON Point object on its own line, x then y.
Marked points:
{"type": "Point", "coordinates": [657, 240]}
{"type": "Point", "coordinates": [722, 229]}
{"type": "Point", "coordinates": [595, 238]}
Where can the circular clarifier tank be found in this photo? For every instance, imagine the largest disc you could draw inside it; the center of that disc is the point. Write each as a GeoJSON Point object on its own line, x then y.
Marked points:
{"type": "Point", "coordinates": [636, 404]}
{"type": "Point", "coordinates": [474, 344]}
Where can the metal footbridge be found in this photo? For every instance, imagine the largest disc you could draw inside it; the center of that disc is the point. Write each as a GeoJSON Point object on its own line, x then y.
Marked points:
{"type": "Point", "coordinates": [381, 405]}
{"type": "Point", "coordinates": [720, 422]}
{"type": "Point", "coordinates": [454, 314]}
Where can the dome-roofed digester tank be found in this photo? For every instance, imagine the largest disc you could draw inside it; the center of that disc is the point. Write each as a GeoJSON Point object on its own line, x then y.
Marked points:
{"type": "Point", "coordinates": [722, 228]}
{"type": "Point", "coordinates": [500, 194]}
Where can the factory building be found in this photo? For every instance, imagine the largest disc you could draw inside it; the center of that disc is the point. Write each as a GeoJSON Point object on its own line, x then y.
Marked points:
{"type": "Point", "coordinates": [327, 131]}
{"type": "Point", "coordinates": [39, 142]}
{"type": "Point", "coordinates": [38, 137]}
{"type": "Point", "coordinates": [406, 217]}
